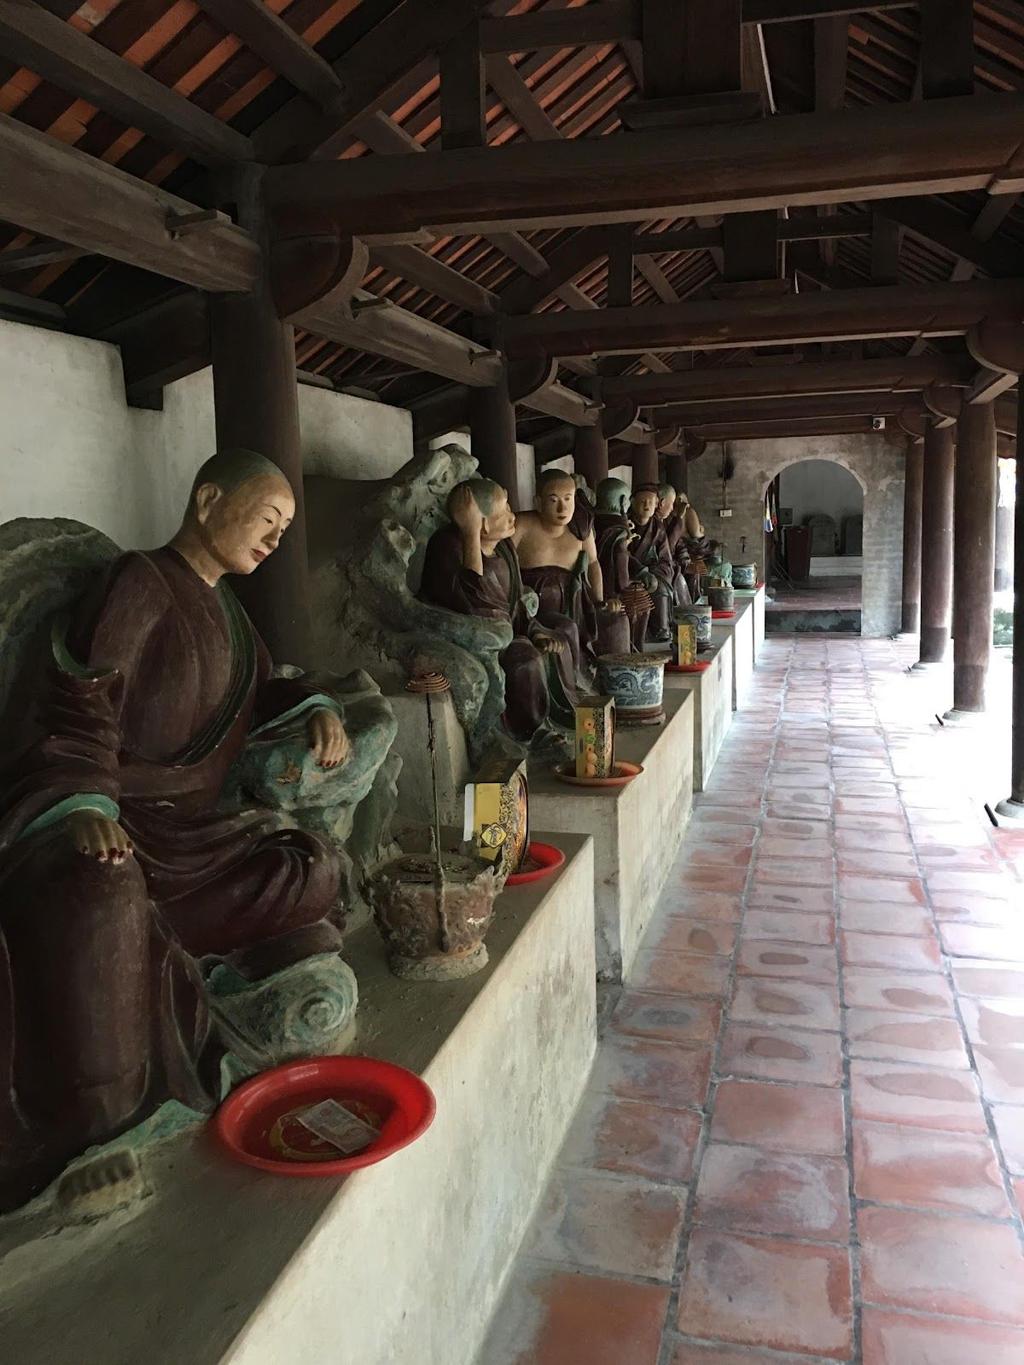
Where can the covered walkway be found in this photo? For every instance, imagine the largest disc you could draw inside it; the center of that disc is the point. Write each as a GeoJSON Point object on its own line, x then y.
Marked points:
{"type": "Point", "coordinates": [804, 1134]}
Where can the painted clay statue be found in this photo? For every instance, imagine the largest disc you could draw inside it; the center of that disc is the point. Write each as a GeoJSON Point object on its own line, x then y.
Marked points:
{"type": "Point", "coordinates": [118, 872]}
{"type": "Point", "coordinates": [651, 560]}
{"type": "Point", "coordinates": [582, 523]}
{"type": "Point", "coordinates": [471, 567]}
{"type": "Point", "coordinates": [558, 565]}
{"type": "Point", "coordinates": [675, 534]}
{"type": "Point", "coordinates": [613, 533]}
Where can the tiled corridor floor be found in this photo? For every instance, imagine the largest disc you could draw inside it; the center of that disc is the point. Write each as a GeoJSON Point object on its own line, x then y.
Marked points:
{"type": "Point", "coordinates": [803, 1139]}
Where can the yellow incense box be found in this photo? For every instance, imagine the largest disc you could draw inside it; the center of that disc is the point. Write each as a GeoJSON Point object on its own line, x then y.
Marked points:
{"type": "Point", "coordinates": [686, 643]}
{"type": "Point", "coordinates": [595, 736]}
{"type": "Point", "coordinates": [497, 815]}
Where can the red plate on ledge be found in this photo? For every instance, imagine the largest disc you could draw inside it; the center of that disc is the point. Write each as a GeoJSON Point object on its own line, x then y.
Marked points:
{"type": "Point", "coordinates": [542, 860]}
{"type": "Point", "coordinates": [257, 1123]}
{"type": "Point", "coordinates": [722, 615]}
{"type": "Point", "coordinates": [697, 667]}
{"type": "Point", "coordinates": [622, 772]}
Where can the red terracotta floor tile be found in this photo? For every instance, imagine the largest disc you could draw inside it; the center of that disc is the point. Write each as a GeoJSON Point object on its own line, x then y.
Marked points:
{"type": "Point", "coordinates": [680, 934]}
{"type": "Point", "coordinates": [976, 977]}
{"type": "Point", "coordinates": [905, 992]}
{"type": "Point", "coordinates": [778, 809]}
{"type": "Point", "coordinates": [794, 1003]}
{"type": "Point", "coordinates": [793, 871]}
{"type": "Point", "coordinates": [814, 830]}
{"type": "Point", "coordinates": [665, 1073]}
{"type": "Point", "coordinates": [906, 1339]}
{"type": "Point", "coordinates": [1002, 943]}
{"type": "Point", "coordinates": [1009, 1122]}
{"type": "Point", "coordinates": [680, 973]}
{"type": "Point", "coordinates": [885, 824]}
{"type": "Point", "coordinates": [705, 905]}
{"type": "Point", "coordinates": [814, 899]}
{"type": "Point", "coordinates": [747, 1189]}
{"type": "Point", "coordinates": [883, 1036]}
{"type": "Point", "coordinates": [560, 1317]}
{"type": "Point", "coordinates": [914, 1167]}
{"type": "Point", "coordinates": [787, 961]}
{"type": "Point", "coordinates": [952, 909]}
{"type": "Point", "coordinates": [889, 951]}
{"type": "Point", "coordinates": [613, 1223]}
{"type": "Point", "coordinates": [784, 1296]}
{"type": "Point", "coordinates": [780, 1118]}
{"type": "Point", "coordinates": [633, 1138]}
{"type": "Point", "coordinates": [778, 846]}
{"type": "Point", "coordinates": [892, 890]}
{"type": "Point", "coordinates": [919, 1097]}
{"type": "Point", "coordinates": [860, 862]}
{"type": "Point", "coordinates": [781, 1054]}
{"type": "Point", "coordinates": [975, 859]}
{"type": "Point", "coordinates": [872, 841]}
{"type": "Point", "coordinates": [997, 1023]}
{"type": "Point", "coordinates": [1017, 1185]}
{"type": "Point", "coordinates": [717, 855]}
{"type": "Point", "coordinates": [865, 917]}
{"type": "Point", "coordinates": [727, 879]}
{"type": "Point", "coordinates": [875, 806]}
{"type": "Point", "coordinates": [1002, 1073]}
{"type": "Point", "coordinates": [993, 884]}
{"type": "Point", "coordinates": [960, 1266]}
{"type": "Point", "coordinates": [697, 1353]}
{"type": "Point", "coordinates": [643, 1014]}
{"type": "Point", "coordinates": [788, 927]}
{"type": "Point", "coordinates": [704, 813]}
{"type": "Point", "coordinates": [714, 832]}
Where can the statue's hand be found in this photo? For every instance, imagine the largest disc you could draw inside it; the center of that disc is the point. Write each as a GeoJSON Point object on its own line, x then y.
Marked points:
{"type": "Point", "coordinates": [550, 644]}
{"type": "Point", "coordinates": [465, 511]}
{"type": "Point", "coordinates": [649, 581]}
{"type": "Point", "coordinates": [614, 605]}
{"type": "Point", "coordinates": [327, 738]}
{"type": "Point", "coordinates": [97, 837]}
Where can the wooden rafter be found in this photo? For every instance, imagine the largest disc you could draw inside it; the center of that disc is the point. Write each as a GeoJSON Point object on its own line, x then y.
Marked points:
{"type": "Point", "coordinates": [284, 51]}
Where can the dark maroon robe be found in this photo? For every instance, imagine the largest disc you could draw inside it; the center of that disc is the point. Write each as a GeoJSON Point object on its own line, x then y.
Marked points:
{"type": "Point", "coordinates": [564, 597]}
{"type": "Point", "coordinates": [534, 692]}
{"type": "Point", "coordinates": [675, 538]}
{"type": "Point", "coordinates": [103, 1015]}
{"type": "Point", "coordinates": [611, 535]}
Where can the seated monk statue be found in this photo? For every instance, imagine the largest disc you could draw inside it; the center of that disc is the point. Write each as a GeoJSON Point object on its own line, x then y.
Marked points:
{"type": "Point", "coordinates": [613, 533]}
{"type": "Point", "coordinates": [693, 529]}
{"type": "Point", "coordinates": [651, 561]}
{"type": "Point", "coordinates": [471, 566]}
{"type": "Point", "coordinates": [118, 874]}
{"type": "Point", "coordinates": [558, 565]}
{"type": "Point", "coordinates": [672, 522]}
{"type": "Point", "coordinates": [582, 523]}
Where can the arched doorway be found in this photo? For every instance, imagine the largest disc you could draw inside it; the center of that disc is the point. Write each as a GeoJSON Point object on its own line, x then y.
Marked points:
{"type": "Point", "coordinates": [815, 549]}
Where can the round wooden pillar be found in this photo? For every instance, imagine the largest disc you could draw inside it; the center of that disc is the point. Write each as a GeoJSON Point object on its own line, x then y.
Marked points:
{"type": "Point", "coordinates": [590, 455]}
{"type": "Point", "coordinates": [492, 425]}
{"type": "Point", "coordinates": [257, 408]}
{"type": "Point", "coordinates": [974, 530]}
{"type": "Point", "coordinates": [912, 490]}
{"type": "Point", "coordinates": [645, 463]}
{"type": "Point", "coordinates": [936, 544]}
{"type": "Point", "coordinates": [675, 472]}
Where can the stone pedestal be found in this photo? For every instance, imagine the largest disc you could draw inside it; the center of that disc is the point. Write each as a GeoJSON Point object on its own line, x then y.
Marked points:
{"type": "Point", "coordinates": [637, 829]}
{"type": "Point", "coordinates": [712, 707]}
{"type": "Point", "coordinates": [415, 798]}
{"type": "Point", "coordinates": [403, 1261]}
{"type": "Point", "coordinates": [756, 597]}
{"type": "Point", "coordinates": [740, 630]}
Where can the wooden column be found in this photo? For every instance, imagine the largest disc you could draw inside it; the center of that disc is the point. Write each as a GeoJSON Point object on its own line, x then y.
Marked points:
{"type": "Point", "coordinates": [256, 404]}
{"type": "Point", "coordinates": [645, 463]}
{"type": "Point", "coordinates": [936, 544]}
{"type": "Point", "coordinates": [974, 528]}
{"type": "Point", "coordinates": [590, 455]}
{"type": "Point", "coordinates": [675, 472]}
{"type": "Point", "coordinates": [492, 424]}
{"type": "Point", "coordinates": [912, 489]}
{"type": "Point", "coordinates": [1013, 808]}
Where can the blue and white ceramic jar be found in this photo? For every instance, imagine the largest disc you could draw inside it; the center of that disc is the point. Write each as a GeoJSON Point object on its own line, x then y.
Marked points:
{"type": "Point", "coordinates": [636, 682]}
{"type": "Point", "coordinates": [698, 616]}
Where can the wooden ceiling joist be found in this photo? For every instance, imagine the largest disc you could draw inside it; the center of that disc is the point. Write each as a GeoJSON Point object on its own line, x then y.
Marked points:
{"type": "Point", "coordinates": [949, 229]}
{"type": "Point", "coordinates": [777, 409]}
{"type": "Point", "coordinates": [87, 70]}
{"type": "Point", "coordinates": [903, 310]}
{"type": "Point", "coordinates": [284, 51]}
{"type": "Point", "coordinates": [789, 428]}
{"type": "Point", "coordinates": [59, 192]}
{"type": "Point", "coordinates": [870, 153]}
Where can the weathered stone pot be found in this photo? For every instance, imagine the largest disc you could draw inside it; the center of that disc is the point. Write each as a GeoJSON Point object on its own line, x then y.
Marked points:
{"type": "Point", "coordinates": [744, 576]}
{"type": "Point", "coordinates": [699, 616]}
{"type": "Point", "coordinates": [636, 681]}
{"type": "Point", "coordinates": [722, 596]}
{"type": "Point", "coordinates": [432, 932]}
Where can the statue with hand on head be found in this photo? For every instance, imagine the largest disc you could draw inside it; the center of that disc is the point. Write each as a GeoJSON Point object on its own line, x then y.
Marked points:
{"type": "Point", "coordinates": [118, 873]}
{"type": "Point", "coordinates": [675, 536]}
{"type": "Point", "coordinates": [693, 528]}
{"type": "Point", "coordinates": [651, 560]}
{"type": "Point", "coordinates": [471, 566]}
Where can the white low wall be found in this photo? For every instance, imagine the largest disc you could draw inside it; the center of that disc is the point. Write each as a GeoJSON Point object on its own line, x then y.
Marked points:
{"type": "Point", "coordinates": [712, 702]}
{"type": "Point", "coordinates": [71, 447]}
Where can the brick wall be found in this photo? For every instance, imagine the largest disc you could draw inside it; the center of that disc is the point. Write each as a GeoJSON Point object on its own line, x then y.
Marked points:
{"type": "Point", "coordinates": [876, 461]}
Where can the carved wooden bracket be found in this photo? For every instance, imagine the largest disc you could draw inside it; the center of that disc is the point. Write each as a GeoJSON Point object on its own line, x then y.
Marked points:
{"type": "Point", "coordinates": [914, 423]}
{"type": "Point", "coordinates": [665, 437]}
{"type": "Point", "coordinates": [528, 375]}
{"type": "Point", "coordinates": [305, 267]}
{"type": "Point", "coordinates": [694, 447]}
{"type": "Point", "coordinates": [618, 417]}
{"type": "Point", "coordinates": [998, 346]}
{"type": "Point", "coordinates": [943, 403]}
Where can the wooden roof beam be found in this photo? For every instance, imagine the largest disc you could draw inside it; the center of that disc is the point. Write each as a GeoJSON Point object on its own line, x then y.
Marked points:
{"type": "Point", "coordinates": [275, 42]}
{"type": "Point", "coordinates": [87, 70]}
{"type": "Point", "coordinates": [938, 223]}
{"type": "Point", "coordinates": [59, 192]}
{"type": "Point", "coordinates": [771, 409]}
{"type": "Point", "coordinates": [902, 310]}
{"type": "Point", "coordinates": [871, 153]}
{"type": "Point", "coordinates": [767, 429]}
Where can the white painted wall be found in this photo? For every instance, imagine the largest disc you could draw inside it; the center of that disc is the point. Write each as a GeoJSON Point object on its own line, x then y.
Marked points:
{"type": "Point", "coordinates": [526, 464]}
{"type": "Point", "coordinates": [71, 447]}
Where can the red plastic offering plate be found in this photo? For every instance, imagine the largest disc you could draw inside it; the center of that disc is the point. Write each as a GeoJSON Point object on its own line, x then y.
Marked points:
{"type": "Point", "coordinates": [722, 615]}
{"type": "Point", "coordinates": [697, 667]}
{"type": "Point", "coordinates": [622, 772]}
{"type": "Point", "coordinates": [542, 860]}
{"type": "Point", "coordinates": [257, 1123]}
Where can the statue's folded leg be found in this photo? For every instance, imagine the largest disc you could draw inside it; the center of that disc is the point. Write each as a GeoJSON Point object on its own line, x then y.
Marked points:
{"type": "Point", "coordinates": [265, 911]}
{"type": "Point", "coordinates": [526, 688]}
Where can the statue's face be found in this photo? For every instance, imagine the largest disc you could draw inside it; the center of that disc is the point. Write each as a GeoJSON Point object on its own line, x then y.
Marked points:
{"type": "Point", "coordinates": [500, 522]}
{"type": "Point", "coordinates": [242, 528]}
{"type": "Point", "coordinates": [666, 505]}
{"type": "Point", "coordinates": [644, 506]}
{"type": "Point", "coordinates": [557, 503]}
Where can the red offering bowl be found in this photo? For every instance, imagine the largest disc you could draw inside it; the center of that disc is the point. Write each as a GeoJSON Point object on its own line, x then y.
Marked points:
{"type": "Point", "coordinates": [256, 1124]}
{"type": "Point", "coordinates": [722, 615]}
{"type": "Point", "coordinates": [697, 667]}
{"type": "Point", "coordinates": [542, 860]}
{"type": "Point", "coordinates": [622, 773]}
